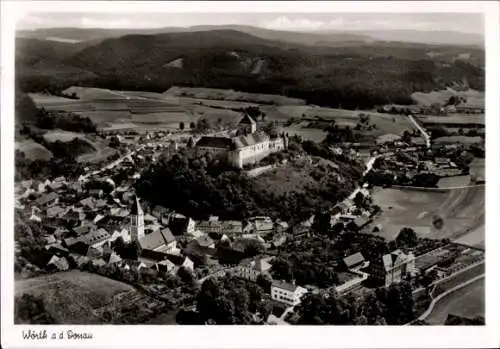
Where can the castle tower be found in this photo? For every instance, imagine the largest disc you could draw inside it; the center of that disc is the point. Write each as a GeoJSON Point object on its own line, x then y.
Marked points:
{"type": "Point", "coordinates": [136, 221]}
{"type": "Point", "coordinates": [247, 125]}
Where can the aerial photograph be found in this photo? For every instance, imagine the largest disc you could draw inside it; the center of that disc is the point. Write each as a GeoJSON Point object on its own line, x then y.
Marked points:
{"type": "Point", "coordinates": [249, 169]}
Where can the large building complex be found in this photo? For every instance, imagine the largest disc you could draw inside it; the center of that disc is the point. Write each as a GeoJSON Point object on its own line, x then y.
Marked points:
{"type": "Point", "coordinates": [393, 267]}
{"type": "Point", "coordinates": [248, 147]}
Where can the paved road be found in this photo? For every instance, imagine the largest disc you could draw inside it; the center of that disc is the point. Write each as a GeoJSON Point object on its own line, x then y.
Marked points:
{"type": "Point", "coordinates": [436, 300]}
{"type": "Point", "coordinates": [422, 131]}
{"type": "Point", "coordinates": [116, 162]}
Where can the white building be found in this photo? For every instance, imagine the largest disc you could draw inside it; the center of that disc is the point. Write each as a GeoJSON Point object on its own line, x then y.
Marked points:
{"type": "Point", "coordinates": [392, 267]}
{"type": "Point", "coordinates": [248, 147]}
{"type": "Point", "coordinates": [287, 293]}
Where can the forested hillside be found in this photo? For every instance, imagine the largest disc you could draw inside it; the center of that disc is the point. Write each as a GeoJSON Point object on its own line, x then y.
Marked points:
{"type": "Point", "coordinates": [350, 76]}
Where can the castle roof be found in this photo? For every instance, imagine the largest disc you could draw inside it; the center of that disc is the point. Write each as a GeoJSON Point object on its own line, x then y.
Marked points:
{"type": "Point", "coordinates": [250, 139]}
{"type": "Point", "coordinates": [215, 142]}
{"type": "Point", "coordinates": [247, 120]}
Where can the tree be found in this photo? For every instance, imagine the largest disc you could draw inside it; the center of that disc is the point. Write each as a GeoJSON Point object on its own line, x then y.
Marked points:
{"type": "Point", "coordinates": [181, 125]}
{"type": "Point", "coordinates": [360, 200]}
{"type": "Point", "coordinates": [407, 237]}
{"type": "Point", "coordinates": [186, 276]}
{"type": "Point", "coordinates": [406, 137]}
{"type": "Point", "coordinates": [264, 281]}
{"type": "Point", "coordinates": [321, 222]}
{"type": "Point", "coordinates": [282, 269]}
{"type": "Point", "coordinates": [31, 309]}
{"type": "Point", "coordinates": [226, 301]}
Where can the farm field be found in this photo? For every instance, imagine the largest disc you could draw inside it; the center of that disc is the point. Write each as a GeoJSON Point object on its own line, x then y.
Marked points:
{"type": "Point", "coordinates": [142, 110]}
{"type": "Point", "coordinates": [62, 136]}
{"type": "Point", "coordinates": [468, 302]}
{"type": "Point", "coordinates": [71, 297]}
{"type": "Point", "coordinates": [462, 211]}
{"type": "Point", "coordinates": [231, 95]}
{"type": "Point", "coordinates": [453, 120]}
{"type": "Point", "coordinates": [458, 139]}
{"type": "Point", "coordinates": [453, 182]}
{"type": "Point", "coordinates": [33, 151]}
{"type": "Point", "coordinates": [101, 150]}
{"type": "Point", "coordinates": [385, 124]}
{"type": "Point", "coordinates": [474, 98]}
{"type": "Point", "coordinates": [477, 167]}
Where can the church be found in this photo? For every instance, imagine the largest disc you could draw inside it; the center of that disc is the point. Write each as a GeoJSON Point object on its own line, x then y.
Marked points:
{"type": "Point", "coordinates": [161, 240]}
{"type": "Point", "coordinates": [249, 146]}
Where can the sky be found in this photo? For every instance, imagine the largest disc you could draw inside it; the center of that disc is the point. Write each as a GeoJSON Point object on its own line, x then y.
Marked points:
{"type": "Point", "coordinates": [458, 22]}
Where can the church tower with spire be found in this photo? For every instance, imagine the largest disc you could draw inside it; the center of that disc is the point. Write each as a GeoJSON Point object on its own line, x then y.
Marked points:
{"type": "Point", "coordinates": [136, 221]}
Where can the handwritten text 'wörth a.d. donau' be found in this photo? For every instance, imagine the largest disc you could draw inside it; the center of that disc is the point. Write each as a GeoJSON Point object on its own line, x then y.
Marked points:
{"type": "Point", "coordinates": [44, 335]}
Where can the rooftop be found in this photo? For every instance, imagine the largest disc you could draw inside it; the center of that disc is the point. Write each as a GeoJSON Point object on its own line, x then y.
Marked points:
{"type": "Point", "coordinates": [250, 139]}
{"type": "Point", "coordinates": [284, 285]}
{"type": "Point", "coordinates": [247, 120]}
{"type": "Point", "coordinates": [205, 241]}
{"type": "Point", "coordinates": [354, 259]}
{"type": "Point", "coordinates": [215, 142]}
{"type": "Point", "coordinates": [157, 239]}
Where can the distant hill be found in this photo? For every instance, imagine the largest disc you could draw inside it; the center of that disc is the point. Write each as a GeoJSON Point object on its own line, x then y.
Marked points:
{"type": "Point", "coordinates": [349, 75]}
{"type": "Point", "coordinates": [329, 37]}
{"type": "Point", "coordinates": [427, 37]}
{"type": "Point", "coordinates": [95, 35]}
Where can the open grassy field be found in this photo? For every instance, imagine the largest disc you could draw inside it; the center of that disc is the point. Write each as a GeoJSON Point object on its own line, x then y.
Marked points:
{"type": "Point", "coordinates": [477, 167]}
{"type": "Point", "coordinates": [100, 151]}
{"type": "Point", "coordinates": [458, 139]}
{"type": "Point", "coordinates": [62, 136]}
{"type": "Point", "coordinates": [468, 302]}
{"type": "Point", "coordinates": [474, 98]}
{"type": "Point", "coordinates": [462, 211]}
{"type": "Point", "coordinates": [385, 123]}
{"type": "Point", "coordinates": [454, 120]}
{"type": "Point", "coordinates": [142, 110]}
{"type": "Point", "coordinates": [71, 297]}
{"type": "Point", "coordinates": [33, 150]}
{"type": "Point", "coordinates": [231, 95]}
{"type": "Point", "coordinates": [138, 110]}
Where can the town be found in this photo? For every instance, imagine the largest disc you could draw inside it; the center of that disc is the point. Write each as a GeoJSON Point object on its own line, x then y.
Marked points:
{"type": "Point", "coordinates": [98, 223]}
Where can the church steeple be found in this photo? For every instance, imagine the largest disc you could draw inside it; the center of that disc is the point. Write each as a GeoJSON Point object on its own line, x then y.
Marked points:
{"type": "Point", "coordinates": [136, 220]}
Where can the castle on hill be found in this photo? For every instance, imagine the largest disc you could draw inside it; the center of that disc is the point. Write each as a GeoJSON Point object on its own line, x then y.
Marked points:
{"type": "Point", "coordinates": [249, 146]}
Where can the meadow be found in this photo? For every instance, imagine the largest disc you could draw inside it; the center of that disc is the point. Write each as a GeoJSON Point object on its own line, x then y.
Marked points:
{"type": "Point", "coordinates": [462, 211]}
{"type": "Point", "coordinates": [473, 97]}
{"type": "Point", "coordinates": [148, 110]}
{"type": "Point", "coordinates": [33, 150]}
{"type": "Point", "coordinates": [72, 297]}
{"type": "Point", "coordinates": [454, 119]}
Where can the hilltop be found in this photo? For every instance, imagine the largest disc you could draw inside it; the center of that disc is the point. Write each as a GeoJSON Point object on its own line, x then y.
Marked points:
{"type": "Point", "coordinates": [359, 75]}
{"type": "Point", "coordinates": [94, 35]}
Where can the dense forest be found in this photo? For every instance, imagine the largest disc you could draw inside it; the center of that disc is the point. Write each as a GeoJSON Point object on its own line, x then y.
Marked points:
{"type": "Point", "coordinates": [360, 76]}
{"type": "Point", "coordinates": [199, 187]}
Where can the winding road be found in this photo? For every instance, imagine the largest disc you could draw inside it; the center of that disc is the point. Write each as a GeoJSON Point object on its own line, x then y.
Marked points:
{"type": "Point", "coordinates": [422, 131]}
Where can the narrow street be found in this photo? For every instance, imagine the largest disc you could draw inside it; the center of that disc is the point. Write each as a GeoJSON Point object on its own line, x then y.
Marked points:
{"type": "Point", "coordinates": [422, 131]}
